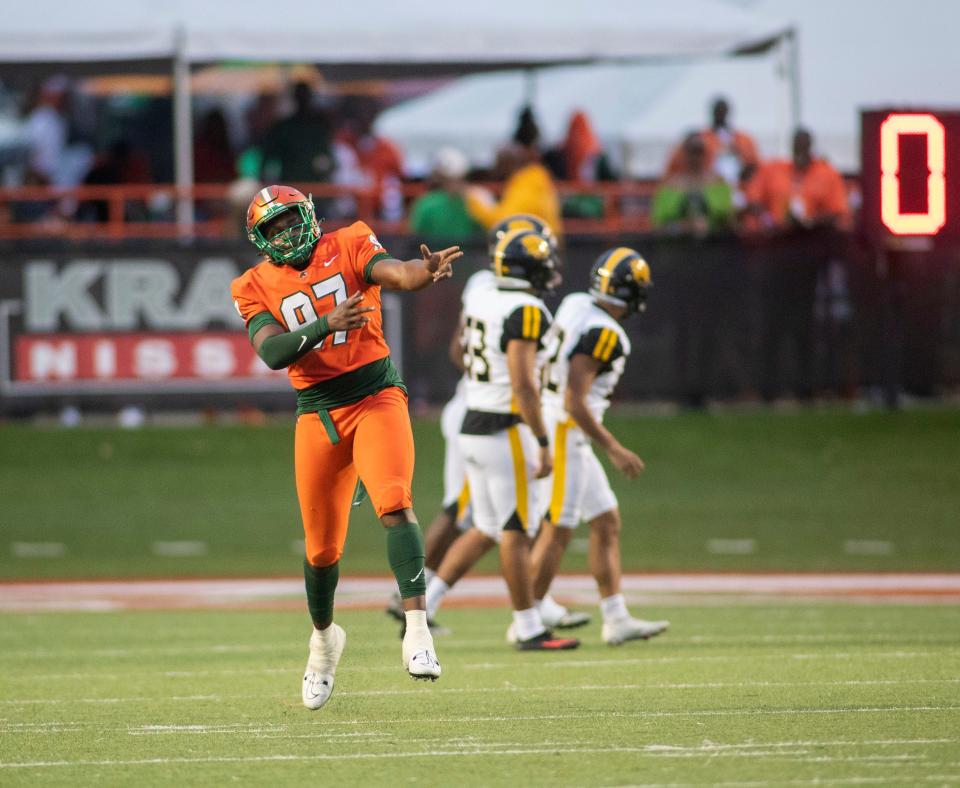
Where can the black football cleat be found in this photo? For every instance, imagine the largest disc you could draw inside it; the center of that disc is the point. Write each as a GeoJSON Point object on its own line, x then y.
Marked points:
{"type": "Point", "coordinates": [545, 641]}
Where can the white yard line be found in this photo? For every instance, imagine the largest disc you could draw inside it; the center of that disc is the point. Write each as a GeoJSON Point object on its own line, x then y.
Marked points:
{"type": "Point", "coordinates": [38, 549]}
{"type": "Point", "coordinates": [466, 751]}
{"type": "Point", "coordinates": [512, 689]}
{"type": "Point", "coordinates": [179, 549]}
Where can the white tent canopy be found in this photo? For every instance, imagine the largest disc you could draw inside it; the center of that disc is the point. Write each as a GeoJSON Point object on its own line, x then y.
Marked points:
{"type": "Point", "coordinates": [638, 111]}
{"type": "Point", "coordinates": [457, 34]}
{"type": "Point", "coordinates": [371, 37]}
{"type": "Point", "coordinates": [856, 54]}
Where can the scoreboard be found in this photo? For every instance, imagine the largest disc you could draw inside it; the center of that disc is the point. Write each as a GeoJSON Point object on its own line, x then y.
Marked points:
{"type": "Point", "coordinates": [910, 177]}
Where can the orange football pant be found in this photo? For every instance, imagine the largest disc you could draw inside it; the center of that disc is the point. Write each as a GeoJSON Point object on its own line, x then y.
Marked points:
{"type": "Point", "coordinates": [376, 443]}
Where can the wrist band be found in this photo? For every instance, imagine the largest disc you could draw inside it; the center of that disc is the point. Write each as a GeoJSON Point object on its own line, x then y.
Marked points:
{"type": "Point", "coordinates": [543, 441]}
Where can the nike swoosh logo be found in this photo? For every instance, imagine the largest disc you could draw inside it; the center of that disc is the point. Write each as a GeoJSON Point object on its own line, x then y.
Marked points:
{"type": "Point", "coordinates": [412, 579]}
{"type": "Point", "coordinates": [303, 341]}
{"type": "Point", "coordinates": [330, 260]}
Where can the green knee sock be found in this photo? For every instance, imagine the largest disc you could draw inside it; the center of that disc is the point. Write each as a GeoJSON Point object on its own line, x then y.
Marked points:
{"type": "Point", "coordinates": [405, 553]}
{"type": "Point", "coordinates": [321, 583]}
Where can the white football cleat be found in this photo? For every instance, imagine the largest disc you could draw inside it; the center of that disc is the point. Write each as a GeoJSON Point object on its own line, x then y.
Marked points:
{"type": "Point", "coordinates": [556, 616]}
{"type": "Point", "coordinates": [623, 629]}
{"type": "Point", "coordinates": [322, 664]}
{"type": "Point", "coordinates": [568, 619]}
{"type": "Point", "coordinates": [419, 655]}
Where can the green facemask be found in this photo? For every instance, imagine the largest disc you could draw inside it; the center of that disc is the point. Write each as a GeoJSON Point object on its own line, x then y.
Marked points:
{"type": "Point", "coordinates": [293, 244]}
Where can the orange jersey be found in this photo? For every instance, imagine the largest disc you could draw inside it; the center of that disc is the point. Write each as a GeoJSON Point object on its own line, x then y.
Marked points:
{"type": "Point", "coordinates": [819, 189]}
{"type": "Point", "coordinates": [338, 268]}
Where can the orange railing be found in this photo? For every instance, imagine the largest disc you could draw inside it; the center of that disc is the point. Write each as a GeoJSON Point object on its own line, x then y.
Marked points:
{"type": "Point", "coordinates": [35, 212]}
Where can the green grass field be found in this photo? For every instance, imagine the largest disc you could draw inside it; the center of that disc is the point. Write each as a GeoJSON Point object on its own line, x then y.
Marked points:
{"type": "Point", "coordinates": [746, 695]}
{"type": "Point", "coordinates": [801, 486]}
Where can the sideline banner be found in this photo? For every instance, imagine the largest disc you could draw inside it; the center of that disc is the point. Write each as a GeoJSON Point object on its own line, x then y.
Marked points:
{"type": "Point", "coordinates": [80, 323]}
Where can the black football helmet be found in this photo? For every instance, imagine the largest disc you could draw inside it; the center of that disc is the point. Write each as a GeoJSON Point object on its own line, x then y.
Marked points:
{"type": "Point", "coordinates": [524, 259]}
{"type": "Point", "coordinates": [621, 277]}
{"type": "Point", "coordinates": [520, 221]}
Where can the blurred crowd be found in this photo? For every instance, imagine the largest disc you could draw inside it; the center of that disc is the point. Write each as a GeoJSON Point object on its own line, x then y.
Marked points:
{"type": "Point", "coordinates": [714, 181]}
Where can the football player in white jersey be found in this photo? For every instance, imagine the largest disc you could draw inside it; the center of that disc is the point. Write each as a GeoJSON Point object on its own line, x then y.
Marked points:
{"type": "Point", "coordinates": [587, 350]}
{"type": "Point", "coordinates": [454, 515]}
{"type": "Point", "coordinates": [503, 438]}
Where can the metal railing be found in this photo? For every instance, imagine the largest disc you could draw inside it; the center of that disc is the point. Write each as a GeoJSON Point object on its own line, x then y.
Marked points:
{"type": "Point", "coordinates": [147, 211]}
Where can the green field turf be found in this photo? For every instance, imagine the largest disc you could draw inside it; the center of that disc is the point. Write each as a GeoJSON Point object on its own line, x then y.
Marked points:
{"type": "Point", "coordinates": [800, 485]}
{"type": "Point", "coordinates": [752, 695]}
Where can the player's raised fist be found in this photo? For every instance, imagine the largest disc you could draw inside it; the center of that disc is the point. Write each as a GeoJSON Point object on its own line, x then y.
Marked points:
{"type": "Point", "coordinates": [349, 314]}
{"type": "Point", "coordinates": [440, 264]}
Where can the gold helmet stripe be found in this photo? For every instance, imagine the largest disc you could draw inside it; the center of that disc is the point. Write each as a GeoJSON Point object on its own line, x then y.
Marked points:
{"type": "Point", "coordinates": [617, 256]}
{"type": "Point", "coordinates": [501, 246]}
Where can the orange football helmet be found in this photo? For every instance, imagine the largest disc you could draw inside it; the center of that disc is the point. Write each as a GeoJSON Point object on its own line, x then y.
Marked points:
{"type": "Point", "coordinates": [282, 223]}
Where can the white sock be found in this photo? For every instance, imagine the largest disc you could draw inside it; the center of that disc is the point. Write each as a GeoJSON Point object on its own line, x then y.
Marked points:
{"type": "Point", "coordinates": [416, 620]}
{"type": "Point", "coordinates": [528, 623]}
{"type": "Point", "coordinates": [322, 637]}
{"type": "Point", "coordinates": [551, 609]}
{"type": "Point", "coordinates": [428, 574]}
{"type": "Point", "coordinates": [320, 641]}
{"type": "Point", "coordinates": [436, 590]}
{"type": "Point", "coordinates": [613, 608]}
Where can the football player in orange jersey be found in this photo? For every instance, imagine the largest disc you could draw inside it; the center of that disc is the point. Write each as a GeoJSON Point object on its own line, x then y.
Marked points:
{"type": "Point", "coordinates": [313, 306]}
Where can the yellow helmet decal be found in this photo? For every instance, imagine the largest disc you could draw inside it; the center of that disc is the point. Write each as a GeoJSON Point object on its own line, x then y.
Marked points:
{"type": "Point", "coordinates": [640, 271]}
{"type": "Point", "coordinates": [538, 248]}
{"type": "Point", "coordinates": [617, 256]}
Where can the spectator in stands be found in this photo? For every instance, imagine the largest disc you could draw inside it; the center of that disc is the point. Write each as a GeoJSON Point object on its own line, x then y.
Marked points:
{"type": "Point", "coordinates": [213, 157]}
{"type": "Point", "coordinates": [46, 131]}
{"type": "Point", "coordinates": [580, 158]}
{"type": "Point", "coordinates": [378, 158]}
{"type": "Point", "coordinates": [805, 191]}
{"type": "Point", "coordinates": [51, 159]}
{"type": "Point", "coordinates": [801, 202]}
{"type": "Point", "coordinates": [529, 187]}
{"type": "Point", "coordinates": [297, 149]}
{"type": "Point", "coordinates": [584, 160]}
{"type": "Point", "coordinates": [120, 163]}
{"type": "Point", "coordinates": [730, 153]}
{"type": "Point", "coordinates": [441, 214]}
{"type": "Point", "coordinates": [695, 201]}
{"type": "Point", "coordinates": [260, 118]}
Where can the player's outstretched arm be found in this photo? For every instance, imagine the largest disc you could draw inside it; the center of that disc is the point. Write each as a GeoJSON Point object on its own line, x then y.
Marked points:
{"type": "Point", "coordinates": [279, 348]}
{"type": "Point", "coordinates": [415, 274]}
{"type": "Point", "coordinates": [583, 369]}
{"type": "Point", "coordinates": [522, 366]}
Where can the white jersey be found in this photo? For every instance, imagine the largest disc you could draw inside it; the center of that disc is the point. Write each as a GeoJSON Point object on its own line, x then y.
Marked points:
{"type": "Point", "coordinates": [581, 326]}
{"type": "Point", "coordinates": [483, 280]}
{"type": "Point", "coordinates": [491, 319]}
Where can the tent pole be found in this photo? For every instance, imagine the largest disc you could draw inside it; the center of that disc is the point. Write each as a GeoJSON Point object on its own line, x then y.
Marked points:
{"type": "Point", "coordinates": [793, 77]}
{"type": "Point", "coordinates": [530, 87]}
{"type": "Point", "coordinates": [182, 136]}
